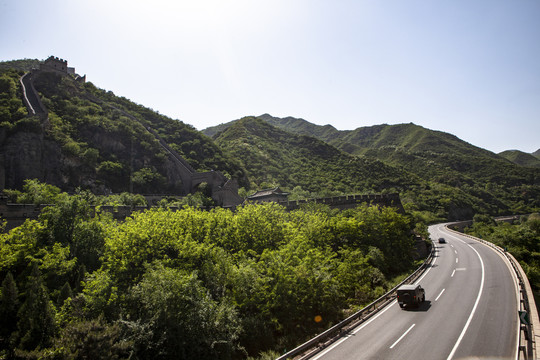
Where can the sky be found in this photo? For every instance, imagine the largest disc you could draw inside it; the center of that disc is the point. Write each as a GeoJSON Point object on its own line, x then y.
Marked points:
{"type": "Point", "coordinates": [469, 68]}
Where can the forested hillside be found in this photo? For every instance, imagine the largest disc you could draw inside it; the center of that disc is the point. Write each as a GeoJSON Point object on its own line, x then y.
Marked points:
{"type": "Point", "coordinates": [190, 284]}
{"type": "Point", "coordinates": [521, 238]}
{"type": "Point", "coordinates": [439, 173]}
{"type": "Point", "coordinates": [95, 140]}
{"type": "Point", "coordinates": [521, 158]}
{"type": "Point", "coordinates": [275, 157]}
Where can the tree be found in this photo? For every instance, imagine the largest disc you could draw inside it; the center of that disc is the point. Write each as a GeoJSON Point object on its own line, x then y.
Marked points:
{"type": "Point", "coordinates": [36, 192]}
{"type": "Point", "coordinates": [62, 218]}
{"type": "Point", "coordinates": [9, 304]}
{"type": "Point", "coordinates": [177, 319]}
{"type": "Point", "coordinates": [93, 339]}
{"type": "Point", "coordinates": [89, 241]}
{"type": "Point", "coordinates": [36, 324]}
{"type": "Point", "coordinates": [65, 293]}
{"type": "Point", "coordinates": [299, 285]}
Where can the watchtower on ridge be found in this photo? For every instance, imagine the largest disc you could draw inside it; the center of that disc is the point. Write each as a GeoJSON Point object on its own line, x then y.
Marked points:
{"type": "Point", "coordinates": [58, 65]}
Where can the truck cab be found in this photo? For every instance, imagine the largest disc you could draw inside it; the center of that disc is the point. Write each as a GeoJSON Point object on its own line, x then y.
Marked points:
{"type": "Point", "coordinates": [410, 296]}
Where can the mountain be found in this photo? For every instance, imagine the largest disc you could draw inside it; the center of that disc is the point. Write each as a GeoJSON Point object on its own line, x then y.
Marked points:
{"type": "Point", "coordinates": [20, 65]}
{"type": "Point", "coordinates": [444, 173]}
{"type": "Point", "coordinates": [536, 154]}
{"type": "Point", "coordinates": [426, 152]}
{"type": "Point", "coordinates": [275, 157]}
{"type": "Point", "coordinates": [521, 158]}
{"type": "Point", "coordinates": [408, 137]}
{"type": "Point", "coordinates": [90, 138]}
{"type": "Point", "coordinates": [86, 137]}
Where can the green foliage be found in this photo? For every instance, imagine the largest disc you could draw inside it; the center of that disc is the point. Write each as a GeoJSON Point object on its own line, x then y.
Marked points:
{"type": "Point", "coordinates": [20, 245]}
{"type": "Point", "coordinates": [12, 108]}
{"type": "Point", "coordinates": [65, 293]}
{"type": "Point", "coordinates": [36, 324]}
{"type": "Point", "coordinates": [437, 175]}
{"type": "Point", "coordinates": [147, 179]}
{"type": "Point", "coordinates": [522, 239]}
{"type": "Point", "coordinates": [19, 65]}
{"type": "Point", "coordinates": [34, 192]}
{"type": "Point", "coordinates": [273, 156]}
{"type": "Point", "coordinates": [91, 339]}
{"type": "Point", "coordinates": [521, 158]}
{"type": "Point", "coordinates": [9, 304]}
{"type": "Point", "coordinates": [178, 319]}
{"type": "Point", "coordinates": [189, 283]}
{"type": "Point", "coordinates": [106, 138]}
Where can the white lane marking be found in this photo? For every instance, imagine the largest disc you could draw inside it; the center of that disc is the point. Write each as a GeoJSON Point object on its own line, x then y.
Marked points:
{"type": "Point", "coordinates": [402, 336]}
{"type": "Point", "coordinates": [336, 344]}
{"type": "Point", "coordinates": [354, 332]}
{"type": "Point", "coordinates": [457, 259]}
{"type": "Point", "coordinates": [474, 307]}
{"type": "Point", "coordinates": [437, 298]}
{"type": "Point", "coordinates": [455, 251]}
{"type": "Point", "coordinates": [425, 273]}
{"type": "Point", "coordinates": [453, 272]}
{"type": "Point", "coordinates": [451, 245]}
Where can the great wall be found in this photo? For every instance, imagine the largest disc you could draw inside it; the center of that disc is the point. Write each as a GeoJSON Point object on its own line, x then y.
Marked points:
{"type": "Point", "coordinates": [16, 214]}
{"type": "Point", "coordinates": [224, 191]}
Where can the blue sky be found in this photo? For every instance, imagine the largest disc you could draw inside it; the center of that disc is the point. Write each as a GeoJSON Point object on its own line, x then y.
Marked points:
{"type": "Point", "coordinates": [470, 68]}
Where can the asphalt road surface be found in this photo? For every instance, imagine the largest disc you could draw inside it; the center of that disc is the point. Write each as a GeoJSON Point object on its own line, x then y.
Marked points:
{"type": "Point", "coordinates": [471, 311]}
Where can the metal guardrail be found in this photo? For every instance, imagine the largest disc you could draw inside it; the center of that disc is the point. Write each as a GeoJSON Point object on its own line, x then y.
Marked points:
{"type": "Point", "coordinates": [526, 345]}
{"type": "Point", "coordinates": [319, 342]}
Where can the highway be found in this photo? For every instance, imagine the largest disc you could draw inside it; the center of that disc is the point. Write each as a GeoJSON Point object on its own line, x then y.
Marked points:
{"type": "Point", "coordinates": [471, 311]}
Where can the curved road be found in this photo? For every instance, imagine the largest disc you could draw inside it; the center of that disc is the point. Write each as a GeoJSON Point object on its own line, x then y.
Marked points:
{"type": "Point", "coordinates": [470, 311]}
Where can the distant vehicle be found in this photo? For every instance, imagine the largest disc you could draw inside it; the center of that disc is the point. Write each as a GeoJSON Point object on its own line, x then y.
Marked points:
{"type": "Point", "coordinates": [410, 296]}
{"type": "Point", "coordinates": [442, 241]}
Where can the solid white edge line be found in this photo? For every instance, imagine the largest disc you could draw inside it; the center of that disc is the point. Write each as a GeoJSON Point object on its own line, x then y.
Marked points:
{"type": "Point", "coordinates": [354, 331]}
{"type": "Point", "coordinates": [426, 272]}
{"type": "Point", "coordinates": [516, 281]}
{"type": "Point", "coordinates": [337, 343]}
{"type": "Point", "coordinates": [437, 298]}
{"type": "Point", "coordinates": [475, 304]}
{"type": "Point", "coordinates": [402, 336]}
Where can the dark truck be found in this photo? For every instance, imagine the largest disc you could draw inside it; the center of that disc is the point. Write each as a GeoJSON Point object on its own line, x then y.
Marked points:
{"type": "Point", "coordinates": [410, 295]}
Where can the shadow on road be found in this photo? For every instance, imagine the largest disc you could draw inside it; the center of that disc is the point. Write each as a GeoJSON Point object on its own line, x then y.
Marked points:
{"type": "Point", "coordinates": [425, 306]}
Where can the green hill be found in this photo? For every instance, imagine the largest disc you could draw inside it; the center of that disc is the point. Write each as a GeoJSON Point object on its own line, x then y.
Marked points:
{"type": "Point", "coordinates": [95, 140]}
{"type": "Point", "coordinates": [521, 158]}
{"type": "Point", "coordinates": [408, 137]}
{"type": "Point", "coordinates": [451, 177]}
{"type": "Point", "coordinates": [20, 65]}
{"type": "Point", "coordinates": [274, 157]}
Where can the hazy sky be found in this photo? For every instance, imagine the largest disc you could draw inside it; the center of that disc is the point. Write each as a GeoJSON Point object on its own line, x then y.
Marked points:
{"type": "Point", "coordinates": [467, 67]}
